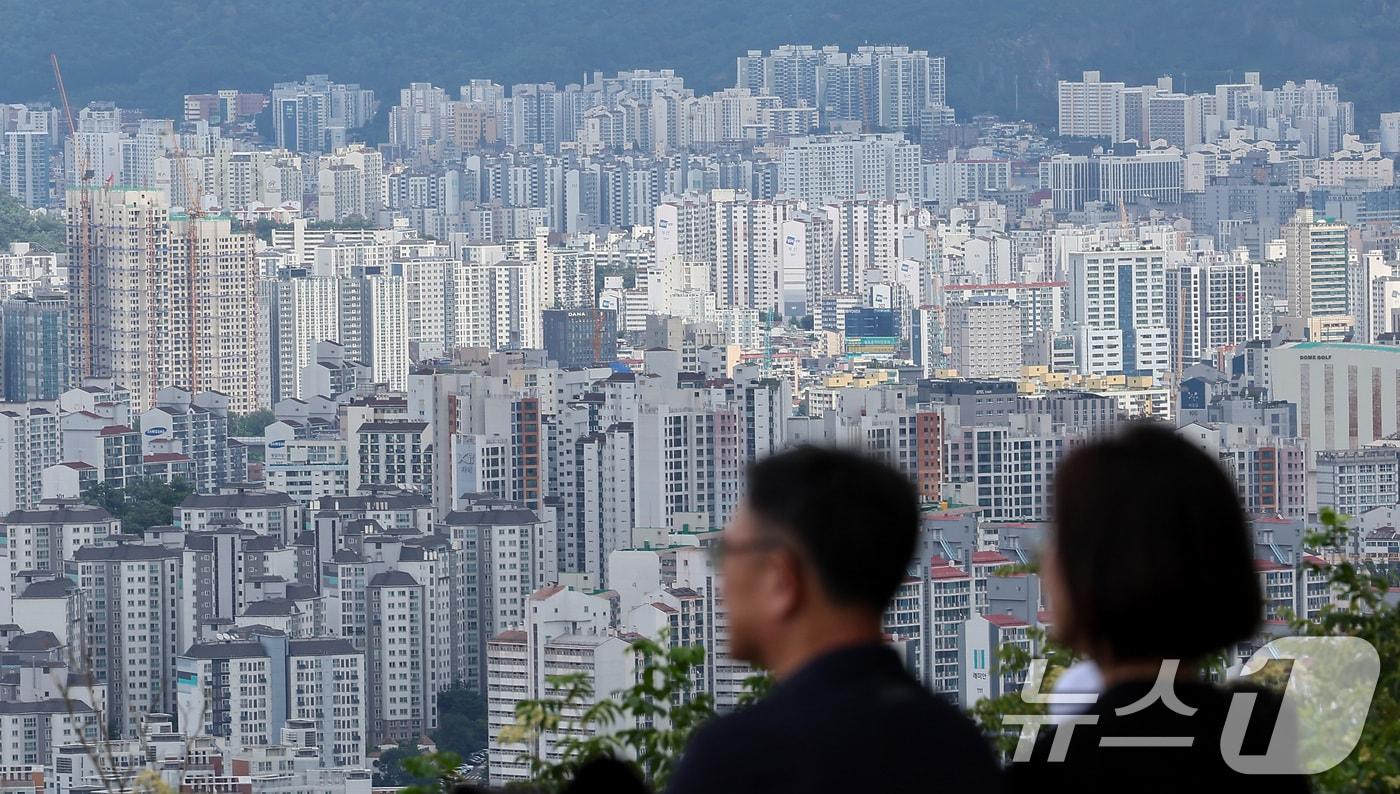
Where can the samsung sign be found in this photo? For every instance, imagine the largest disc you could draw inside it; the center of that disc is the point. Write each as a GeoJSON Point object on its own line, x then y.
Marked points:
{"type": "Point", "coordinates": [278, 444]}
{"type": "Point", "coordinates": [157, 431]}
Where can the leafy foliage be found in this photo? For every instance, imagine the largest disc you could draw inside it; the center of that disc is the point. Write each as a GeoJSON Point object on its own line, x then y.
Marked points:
{"type": "Point", "coordinates": [250, 424]}
{"type": "Point", "coordinates": [416, 771]}
{"type": "Point", "coordinates": [461, 721]}
{"type": "Point", "coordinates": [352, 222]}
{"type": "Point", "coordinates": [18, 224]}
{"type": "Point", "coordinates": [990, 713]}
{"type": "Point", "coordinates": [1361, 609]}
{"type": "Point", "coordinates": [648, 723]}
{"type": "Point", "coordinates": [431, 772]}
{"type": "Point", "coordinates": [145, 502]}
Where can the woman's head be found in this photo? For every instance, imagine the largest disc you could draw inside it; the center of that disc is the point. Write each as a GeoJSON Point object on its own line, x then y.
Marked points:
{"type": "Point", "coordinates": [1150, 556]}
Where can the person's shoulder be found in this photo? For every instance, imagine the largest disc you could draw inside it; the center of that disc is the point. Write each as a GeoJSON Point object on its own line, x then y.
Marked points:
{"type": "Point", "coordinates": [720, 753]}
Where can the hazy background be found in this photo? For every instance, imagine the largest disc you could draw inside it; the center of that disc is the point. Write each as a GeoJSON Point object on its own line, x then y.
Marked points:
{"type": "Point", "coordinates": [1003, 55]}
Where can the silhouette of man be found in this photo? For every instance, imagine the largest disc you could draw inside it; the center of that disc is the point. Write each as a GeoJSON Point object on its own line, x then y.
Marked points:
{"type": "Point", "coordinates": [810, 560]}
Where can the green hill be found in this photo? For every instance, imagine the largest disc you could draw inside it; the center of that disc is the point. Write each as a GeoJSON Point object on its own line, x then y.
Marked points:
{"type": "Point", "coordinates": [1003, 56]}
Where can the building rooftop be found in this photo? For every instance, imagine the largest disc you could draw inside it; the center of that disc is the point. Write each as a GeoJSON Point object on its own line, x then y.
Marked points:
{"type": "Point", "coordinates": [50, 706]}
{"type": "Point", "coordinates": [508, 517]}
{"type": "Point", "coordinates": [405, 426]}
{"type": "Point", "coordinates": [35, 641]}
{"type": "Point", "coordinates": [235, 649]}
{"type": "Point", "coordinates": [125, 552]}
{"type": "Point", "coordinates": [238, 500]}
{"type": "Point", "coordinates": [269, 608]}
{"type": "Point", "coordinates": [393, 579]}
{"type": "Point", "coordinates": [50, 588]}
{"type": "Point", "coordinates": [59, 512]}
{"type": "Point", "coordinates": [321, 646]}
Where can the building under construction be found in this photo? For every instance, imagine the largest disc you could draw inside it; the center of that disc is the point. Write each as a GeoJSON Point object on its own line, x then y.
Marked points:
{"type": "Point", "coordinates": [160, 299]}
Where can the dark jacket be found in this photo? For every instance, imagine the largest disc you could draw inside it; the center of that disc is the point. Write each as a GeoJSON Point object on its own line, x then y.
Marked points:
{"type": "Point", "coordinates": [852, 720]}
{"type": "Point", "coordinates": [1201, 767]}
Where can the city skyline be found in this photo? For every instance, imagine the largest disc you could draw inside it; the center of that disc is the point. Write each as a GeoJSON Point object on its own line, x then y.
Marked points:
{"type": "Point", "coordinates": [311, 433]}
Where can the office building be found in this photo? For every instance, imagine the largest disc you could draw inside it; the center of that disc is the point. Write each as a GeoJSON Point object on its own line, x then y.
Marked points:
{"type": "Point", "coordinates": [1348, 395]}
{"type": "Point", "coordinates": [35, 340]}
{"type": "Point", "coordinates": [580, 337]}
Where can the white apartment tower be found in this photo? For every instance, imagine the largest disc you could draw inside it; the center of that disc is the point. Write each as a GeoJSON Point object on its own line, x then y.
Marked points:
{"type": "Point", "coordinates": [1316, 273]}
{"type": "Point", "coordinates": [1118, 309]}
{"type": "Point", "coordinates": [30, 442]}
{"type": "Point", "coordinates": [132, 594]}
{"type": "Point", "coordinates": [984, 335]}
{"type": "Point", "coordinates": [1211, 306]}
{"type": "Point", "coordinates": [824, 168]}
{"type": "Point", "coordinates": [1091, 108]}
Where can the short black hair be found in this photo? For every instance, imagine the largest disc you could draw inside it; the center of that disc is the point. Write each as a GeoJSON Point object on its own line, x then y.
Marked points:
{"type": "Point", "coordinates": [854, 517]}
{"type": "Point", "coordinates": [1154, 547]}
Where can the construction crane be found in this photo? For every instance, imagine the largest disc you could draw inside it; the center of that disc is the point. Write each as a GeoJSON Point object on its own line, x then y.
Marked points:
{"type": "Point", "coordinates": [84, 252]}
{"type": "Point", "coordinates": [599, 328]}
{"type": "Point", "coordinates": [194, 210]}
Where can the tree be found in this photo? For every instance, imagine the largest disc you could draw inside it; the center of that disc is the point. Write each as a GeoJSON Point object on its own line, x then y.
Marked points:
{"type": "Point", "coordinates": [461, 721]}
{"type": "Point", "coordinates": [350, 222]}
{"type": "Point", "coordinates": [252, 424]}
{"type": "Point", "coordinates": [415, 771]}
{"type": "Point", "coordinates": [389, 769]}
{"type": "Point", "coordinates": [990, 713]}
{"type": "Point", "coordinates": [19, 224]}
{"type": "Point", "coordinates": [1361, 608]}
{"type": "Point", "coordinates": [647, 723]}
{"type": "Point", "coordinates": [145, 502]}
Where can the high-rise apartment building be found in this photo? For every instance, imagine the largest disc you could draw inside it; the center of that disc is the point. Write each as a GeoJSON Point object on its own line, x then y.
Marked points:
{"type": "Point", "coordinates": [315, 114]}
{"type": "Point", "coordinates": [132, 596]}
{"type": "Point", "coordinates": [242, 690]}
{"type": "Point", "coordinates": [29, 444]}
{"type": "Point", "coordinates": [24, 167]}
{"type": "Point", "coordinates": [1091, 108]}
{"type": "Point", "coordinates": [1008, 467]}
{"type": "Point", "coordinates": [35, 346]}
{"type": "Point", "coordinates": [984, 335]}
{"type": "Point", "coordinates": [823, 168]}
{"type": "Point", "coordinates": [794, 73]}
{"type": "Point", "coordinates": [158, 301]}
{"type": "Point", "coordinates": [1316, 275]}
{"type": "Point", "coordinates": [45, 538]}
{"type": "Point", "coordinates": [1212, 306]}
{"type": "Point", "coordinates": [1118, 309]}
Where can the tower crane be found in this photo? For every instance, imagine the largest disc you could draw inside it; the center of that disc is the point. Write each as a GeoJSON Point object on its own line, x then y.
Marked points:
{"type": "Point", "coordinates": [84, 241]}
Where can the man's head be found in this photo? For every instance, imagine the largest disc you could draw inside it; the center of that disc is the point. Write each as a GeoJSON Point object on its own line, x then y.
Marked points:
{"type": "Point", "coordinates": [819, 544]}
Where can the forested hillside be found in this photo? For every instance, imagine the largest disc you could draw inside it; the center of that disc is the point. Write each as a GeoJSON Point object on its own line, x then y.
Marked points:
{"type": "Point", "coordinates": [1003, 56]}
